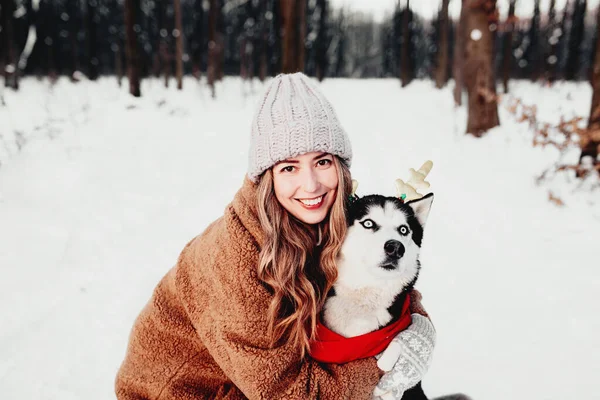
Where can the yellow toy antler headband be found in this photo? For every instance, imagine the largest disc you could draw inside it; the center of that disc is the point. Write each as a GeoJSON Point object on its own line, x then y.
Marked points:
{"type": "Point", "coordinates": [407, 191]}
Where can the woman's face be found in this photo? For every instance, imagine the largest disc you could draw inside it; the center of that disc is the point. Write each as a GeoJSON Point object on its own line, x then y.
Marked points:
{"type": "Point", "coordinates": [306, 185]}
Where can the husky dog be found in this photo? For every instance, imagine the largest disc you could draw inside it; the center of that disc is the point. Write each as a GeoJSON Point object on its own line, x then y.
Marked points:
{"type": "Point", "coordinates": [378, 266]}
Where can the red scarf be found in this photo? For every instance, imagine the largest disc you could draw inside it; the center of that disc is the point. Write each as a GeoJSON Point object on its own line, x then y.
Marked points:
{"type": "Point", "coordinates": [331, 347]}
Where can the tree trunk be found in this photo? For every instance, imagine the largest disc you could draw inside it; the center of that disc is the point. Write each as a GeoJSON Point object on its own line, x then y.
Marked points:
{"type": "Point", "coordinates": [535, 53]}
{"type": "Point", "coordinates": [178, 44]}
{"type": "Point", "coordinates": [508, 38]}
{"type": "Point", "coordinates": [478, 67]}
{"type": "Point", "coordinates": [249, 42]}
{"type": "Point", "coordinates": [132, 8]}
{"type": "Point", "coordinates": [244, 59]}
{"type": "Point", "coordinates": [591, 147]}
{"type": "Point", "coordinates": [90, 40]}
{"type": "Point", "coordinates": [119, 65]}
{"type": "Point", "coordinates": [294, 32]}
{"type": "Point", "coordinates": [158, 39]}
{"type": "Point", "coordinates": [73, 12]}
{"type": "Point", "coordinates": [263, 41]}
{"type": "Point", "coordinates": [9, 62]}
{"type": "Point", "coordinates": [340, 50]}
{"type": "Point", "coordinates": [164, 42]}
{"type": "Point", "coordinates": [321, 56]}
{"type": "Point", "coordinates": [575, 38]}
{"type": "Point", "coordinates": [459, 53]}
{"type": "Point", "coordinates": [275, 35]}
{"type": "Point", "coordinates": [441, 74]}
{"type": "Point", "coordinates": [405, 64]}
{"type": "Point", "coordinates": [552, 39]}
{"type": "Point", "coordinates": [198, 38]}
{"type": "Point", "coordinates": [213, 56]}
{"type": "Point", "coordinates": [47, 24]}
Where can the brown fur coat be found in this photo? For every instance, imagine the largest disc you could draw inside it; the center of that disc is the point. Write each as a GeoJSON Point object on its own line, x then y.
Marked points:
{"type": "Point", "coordinates": [203, 333]}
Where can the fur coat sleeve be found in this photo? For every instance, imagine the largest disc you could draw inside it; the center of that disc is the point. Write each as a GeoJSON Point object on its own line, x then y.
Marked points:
{"type": "Point", "coordinates": [203, 333]}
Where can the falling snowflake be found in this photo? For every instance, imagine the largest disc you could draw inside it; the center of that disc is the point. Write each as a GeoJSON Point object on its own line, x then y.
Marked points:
{"type": "Point", "coordinates": [476, 34]}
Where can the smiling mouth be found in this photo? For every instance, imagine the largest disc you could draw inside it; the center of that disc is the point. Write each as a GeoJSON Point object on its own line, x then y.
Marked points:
{"type": "Point", "coordinates": [312, 203]}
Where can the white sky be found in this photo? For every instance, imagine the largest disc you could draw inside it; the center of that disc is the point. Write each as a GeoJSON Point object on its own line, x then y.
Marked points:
{"type": "Point", "coordinates": [427, 8]}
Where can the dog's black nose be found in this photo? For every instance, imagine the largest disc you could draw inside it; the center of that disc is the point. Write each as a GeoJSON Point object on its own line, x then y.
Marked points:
{"type": "Point", "coordinates": [394, 248]}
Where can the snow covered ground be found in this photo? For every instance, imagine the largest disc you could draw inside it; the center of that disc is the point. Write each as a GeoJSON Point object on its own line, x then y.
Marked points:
{"type": "Point", "coordinates": [107, 189]}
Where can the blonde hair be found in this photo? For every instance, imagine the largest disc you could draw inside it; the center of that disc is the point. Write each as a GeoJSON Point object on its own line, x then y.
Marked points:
{"type": "Point", "coordinates": [298, 271]}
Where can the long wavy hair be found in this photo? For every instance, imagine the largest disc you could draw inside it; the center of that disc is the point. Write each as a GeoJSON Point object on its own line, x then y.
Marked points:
{"type": "Point", "coordinates": [298, 261]}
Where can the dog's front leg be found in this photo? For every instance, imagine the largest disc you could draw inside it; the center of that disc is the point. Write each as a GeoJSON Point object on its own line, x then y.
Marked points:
{"type": "Point", "coordinates": [415, 393]}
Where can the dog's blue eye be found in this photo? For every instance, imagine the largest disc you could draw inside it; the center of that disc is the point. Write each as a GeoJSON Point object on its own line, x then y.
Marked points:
{"type": "Point", "coordinates": [403, 230]}
{"type": "Point", "coordinates": [367, 223]}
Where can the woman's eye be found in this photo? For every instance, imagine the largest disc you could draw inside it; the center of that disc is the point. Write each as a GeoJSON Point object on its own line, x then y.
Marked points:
{"type": "Point", "coordinates": [289, 168]}
{"type": "Point", "coordinates": [323, 162]}
{"type": "Point", "coordinates": [367, 223]}
{"type": "Point", "coordinates": [403, 230]}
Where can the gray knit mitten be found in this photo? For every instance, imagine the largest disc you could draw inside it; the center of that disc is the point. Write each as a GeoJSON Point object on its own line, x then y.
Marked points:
{"type": "Point", "coordinates": [406, 359]}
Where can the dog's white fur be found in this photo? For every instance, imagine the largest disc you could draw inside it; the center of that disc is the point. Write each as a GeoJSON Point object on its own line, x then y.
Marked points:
{"type": "Point", "coordinates": [364, 290]}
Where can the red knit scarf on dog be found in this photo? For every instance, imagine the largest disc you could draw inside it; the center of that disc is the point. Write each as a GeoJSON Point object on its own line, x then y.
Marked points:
{"type": "Point", "coordinates": [331, 347]}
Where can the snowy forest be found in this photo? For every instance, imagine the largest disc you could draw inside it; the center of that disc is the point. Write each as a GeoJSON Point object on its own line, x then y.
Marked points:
{"type": "Point", "coordinates": [124, 132]}
{"type": "Point", "coordinates": [258, 38]}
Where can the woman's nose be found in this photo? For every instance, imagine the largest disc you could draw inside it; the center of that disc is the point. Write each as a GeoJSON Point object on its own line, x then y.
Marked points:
{"type": "Point", "coordinates": [311, 182]}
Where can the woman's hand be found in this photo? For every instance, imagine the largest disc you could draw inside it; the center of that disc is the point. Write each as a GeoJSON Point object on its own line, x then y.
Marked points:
{"type": "Point", "coordinates": [408, 356]}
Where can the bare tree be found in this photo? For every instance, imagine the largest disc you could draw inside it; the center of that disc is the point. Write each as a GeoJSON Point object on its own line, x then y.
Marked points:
{"type": "Point", "coordinates": [132, 8]}
{"type": "Point", "coordinates": [575, 38]}
{"type": "Point", "coordinates": [214, 46]}
{"type": "Point", "coordinates": [478, 66]}
{"type": "Point", "coordinates": [509, 27]}
{"type": "Point", "coordinates": [534, 56]}
{"type": "Point", "coordinates": [198, 43]}
{"type": "Point", "coordinates": [47, 19]}
{"type": "Point", "coordinates": [32, 9]}
{"type": "Point", "coordinates": [72, 11]}
{"type": "Point", "coordinates": [90, 39]}
{"type": "Point", "coordinates": [405, 60]}
{"type": "Point", "coordinates": [441, 74]}
{"type": "Point", "coordinates": [163, 58]}
{"type": "Point", "coordinates": [337, 49]}
{"type": "Point", "coordinates": [294, 33]}
{"type": "Point", "coordinates": [119, 65]}
{"type": "Point", "coordinates": [263, 40]}
{"type": "Point", "coordinates": [251, 39]}
{"type": "Point", "coordinates": [321, 54]}
{"type": "Point", "coordinates": [458, 58]}
{"type": "Point", "coordinates": [116, 29]}
{"type": "Point", "coordinates": [178, 33]}
{"type": "Point", "coordinates": [8, 63]}
{"type": "Point", "coordinates": [591, 142]}
{"type": "Point", "coordinates": [553, 35]}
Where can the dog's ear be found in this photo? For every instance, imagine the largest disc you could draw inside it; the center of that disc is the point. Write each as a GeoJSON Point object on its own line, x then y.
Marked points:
{"type": "Point", "coordinates": [421, 207]}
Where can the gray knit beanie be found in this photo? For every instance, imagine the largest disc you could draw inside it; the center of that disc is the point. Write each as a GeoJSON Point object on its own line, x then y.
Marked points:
{"type": "Point", "coordinates": [292, 119]}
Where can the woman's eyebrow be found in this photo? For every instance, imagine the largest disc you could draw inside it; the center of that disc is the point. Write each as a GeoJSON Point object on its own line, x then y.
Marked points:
{"type": "Point", "coordinates": [320, 156]}
{"type": "Point", "coordinates": [292, 161]}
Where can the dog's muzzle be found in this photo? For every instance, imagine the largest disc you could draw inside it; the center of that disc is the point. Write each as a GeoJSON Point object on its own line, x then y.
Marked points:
{"type": "Point", "coordinates": [394, 249]}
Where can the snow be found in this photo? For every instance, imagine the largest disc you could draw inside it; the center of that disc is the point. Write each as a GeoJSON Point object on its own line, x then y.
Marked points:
{"type": "Point", "coordinates": [476, 34]}
{"type": "Point", "coordinates": [107, 189]}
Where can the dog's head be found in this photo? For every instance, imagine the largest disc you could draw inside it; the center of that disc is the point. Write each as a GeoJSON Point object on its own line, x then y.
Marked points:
{"type": "Point", "coordinates": [384, 239]}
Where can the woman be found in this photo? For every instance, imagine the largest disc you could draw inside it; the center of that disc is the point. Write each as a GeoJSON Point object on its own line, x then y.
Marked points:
{"type": "Point", "coordinates": [234, 318]}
